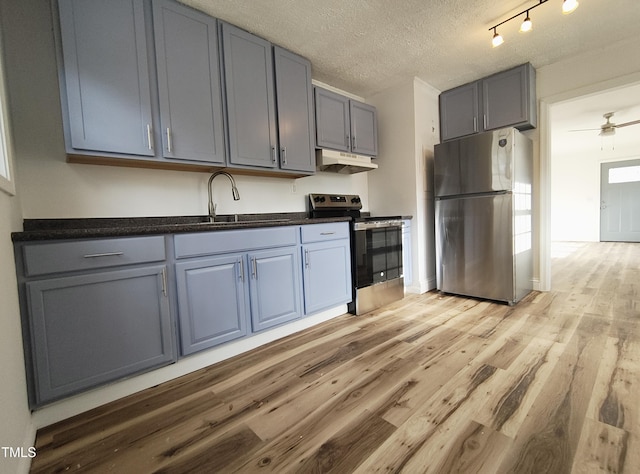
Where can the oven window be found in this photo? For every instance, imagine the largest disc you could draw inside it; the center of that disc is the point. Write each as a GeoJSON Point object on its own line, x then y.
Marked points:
{"type": "Point", "coordinates": [378, 255]}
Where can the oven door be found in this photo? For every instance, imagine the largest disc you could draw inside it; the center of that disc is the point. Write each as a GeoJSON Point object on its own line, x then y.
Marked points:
{"type": "Point", "coordinates": [377, 252]}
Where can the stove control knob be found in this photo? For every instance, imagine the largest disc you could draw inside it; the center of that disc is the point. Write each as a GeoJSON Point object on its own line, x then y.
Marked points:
{"type": "Point", "coordinates": [355, 200]}
{"type": "Point", "coordinates": [318, 199]}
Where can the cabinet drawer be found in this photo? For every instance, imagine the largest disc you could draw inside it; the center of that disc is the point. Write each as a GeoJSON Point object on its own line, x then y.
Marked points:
{"type": "Point", "coordinates": [55, 257]}
{"type": "Point", "coordinates": [322, 232]}
{"type": "Point", "coordinates": [210, 243]}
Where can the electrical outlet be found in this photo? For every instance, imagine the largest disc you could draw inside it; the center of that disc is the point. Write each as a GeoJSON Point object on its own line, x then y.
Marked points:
{"type": "Point", "coordinates": [294, 188]}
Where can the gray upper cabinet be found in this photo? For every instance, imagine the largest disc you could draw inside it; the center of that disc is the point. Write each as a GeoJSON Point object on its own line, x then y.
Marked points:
{"type": "Point", "coordinates": [188, 83]}
{"type": "Point", "coordinates": [106, 75]}
{"type": "Point", "coordinates": [459, 111]}
{"type": "Point", "coordinates": [251, 113]}
{"type": "Point", "coordinates": [364, 128]}
{"type": "Point", "coordinates": [333, 127]}
{"type": "Point", "coordinates": [345, 124]}
{"type": "Point", "coordinates": [505, 99]}
{"type": "Point", "coordinates": [294, 98]}
{"type": "Point", "coordinates": [509, 99]}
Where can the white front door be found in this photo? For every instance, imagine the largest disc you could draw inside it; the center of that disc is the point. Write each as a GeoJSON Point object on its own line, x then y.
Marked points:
{"type": "Point", "coordinates": [620, 201]}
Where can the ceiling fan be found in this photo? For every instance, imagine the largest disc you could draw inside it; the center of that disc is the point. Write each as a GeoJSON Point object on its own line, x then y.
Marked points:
{"type": "Point", "coordinates": [608, 128]}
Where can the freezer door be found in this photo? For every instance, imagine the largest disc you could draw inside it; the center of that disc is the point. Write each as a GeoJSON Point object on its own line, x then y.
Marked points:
{"type": "Point", "coordinates": [446, 168]}
{"type": "Point", "coordinates": [486, 162]}
{"type": "Point", "coordinates": [475, 247]}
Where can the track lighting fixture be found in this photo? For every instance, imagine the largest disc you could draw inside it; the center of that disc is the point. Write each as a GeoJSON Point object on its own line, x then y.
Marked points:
{"type": "Point", "coordinates": [568, 6]}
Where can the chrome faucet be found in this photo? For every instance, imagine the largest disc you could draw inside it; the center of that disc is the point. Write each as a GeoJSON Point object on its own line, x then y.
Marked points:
{"type": "Point", "coordinates": [234, 192]}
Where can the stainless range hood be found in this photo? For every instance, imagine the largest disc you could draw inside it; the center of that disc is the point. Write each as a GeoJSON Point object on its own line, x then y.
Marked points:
{"type": "Point", "coordinates": [341, 162]}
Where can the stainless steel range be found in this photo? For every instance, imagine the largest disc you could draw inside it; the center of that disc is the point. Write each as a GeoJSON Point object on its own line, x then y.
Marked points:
{"type": "Point", "coordinates": [376, 250]}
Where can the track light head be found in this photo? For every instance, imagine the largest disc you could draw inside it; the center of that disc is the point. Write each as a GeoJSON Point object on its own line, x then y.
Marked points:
{"type": "Point", "coordinates": [497, 39]}
{"type": "Point", "coordinates": [569, 6]}
{"type": "Point", "coordinates": [526, 24]}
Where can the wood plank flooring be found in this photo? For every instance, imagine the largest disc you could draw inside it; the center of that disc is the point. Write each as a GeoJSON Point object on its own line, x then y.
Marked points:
{"type": "Point", "coordinates": [430, 384]}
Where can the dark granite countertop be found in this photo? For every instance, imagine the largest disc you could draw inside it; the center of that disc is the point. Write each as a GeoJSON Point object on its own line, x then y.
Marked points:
{"type": "Point", "coordinates": [56, 229]}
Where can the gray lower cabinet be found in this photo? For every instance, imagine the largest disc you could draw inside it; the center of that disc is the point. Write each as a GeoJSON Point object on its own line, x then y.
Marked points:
{"type": "Point", "coordinates": [96, 319]}
{"type": "Point", "coordinates": [327, 266]}
{"type": "Point", "coordinates": [232, 283]}
{"type": "Point", "coordinates": [345, 124]}
{"type": "Point", "coordinates": [106, 77]}
{"type": "Point", "coordinates": [274, 287]}
{"type": "Point", "coordinates": [186, 45]}
{"type": "Point", "coordinates": [251, 112]}
{"type": "Point", "coordinates": [212, 303]}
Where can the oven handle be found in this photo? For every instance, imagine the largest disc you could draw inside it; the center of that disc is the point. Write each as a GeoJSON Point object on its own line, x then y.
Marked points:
{"type": "Point", "coordinates": [376, 224]}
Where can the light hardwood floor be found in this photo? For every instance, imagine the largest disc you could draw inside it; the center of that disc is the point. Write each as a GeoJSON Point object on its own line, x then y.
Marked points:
{"type": "Point", "coordinates": [432, 383]}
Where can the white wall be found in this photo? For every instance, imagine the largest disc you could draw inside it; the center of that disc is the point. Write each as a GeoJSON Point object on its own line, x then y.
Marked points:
{"type": "Point", "coordinates": [612, 66]}
{"type": "Point", "coordinates": [16, 427]}
{"type": "Point", "coordinates": [407, 131]}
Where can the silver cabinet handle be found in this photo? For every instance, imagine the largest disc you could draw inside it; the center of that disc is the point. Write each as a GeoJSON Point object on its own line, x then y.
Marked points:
{"type": "Point", "coordinates": [164, 281]}
{"type": "Point", "coordinates": [475, 124]}
{"type": "Point", "coordinates": [283, 153]}
{"type": "Point", "coordinates": [306, 258]}
{"type": "Point", "coordinates": [354, 145]}
{"type": "Point", "coordinates": [327, 233]}
{"type": "Point", "coordinates": [348, 143]}
{"type": "Point", "coordinates": [254, 269]}
{"type": "Point", "coordinates": [241, 271]}
{"type": "Point", "coordinates": [484, 121]}
{"type": "Point", "coordinates": [273, 154]}
{"type": "Point", "coordinates": [168, 139]}
{"type": "Point", "coordinates": [149, 141]}
{"type": "Point", "coordinates": [105, 254]}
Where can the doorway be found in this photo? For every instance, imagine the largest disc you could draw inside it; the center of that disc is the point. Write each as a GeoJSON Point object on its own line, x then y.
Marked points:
{"type": "Point", "coordinates": [620, 201]}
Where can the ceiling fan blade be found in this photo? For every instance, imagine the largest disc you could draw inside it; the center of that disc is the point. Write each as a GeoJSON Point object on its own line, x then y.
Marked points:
{"type": "Point", "coordinates": [585, 130]}
{"type": "Point", "coordinates": [633, 122]}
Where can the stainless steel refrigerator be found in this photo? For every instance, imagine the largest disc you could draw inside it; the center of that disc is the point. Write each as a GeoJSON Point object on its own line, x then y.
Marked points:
{"type": "Point", "coordinates": [483, 192]}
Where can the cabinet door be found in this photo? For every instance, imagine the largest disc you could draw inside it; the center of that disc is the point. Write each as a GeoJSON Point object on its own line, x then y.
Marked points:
{"type": "Point", "coordinates": [295, 116]}
{"type": "Point", "coordinates": [459, 111]}
{"type": "Point", "coordinates": [212, 306]}
{"type": "Point", "coordinates": [95, 328]}
{"type": "Point", "coordinates": [364, 129]}
{"type": "Point", "coordinates": [188, 83]}
{"type": "Point", "coordinates": [248, 71]}
{"type": "Point", "coordinates": [106, 76]}
{"type": "Point", "coordinates": [327, 275]}
{"type": "Point", "coordinates": [274, 287]}
{"type": "Point", "coordinates": [506, 98]}
{"type": "Point", "coordinates": [332, 120]}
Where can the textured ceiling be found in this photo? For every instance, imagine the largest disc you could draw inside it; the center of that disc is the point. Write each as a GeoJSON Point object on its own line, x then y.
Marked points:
{"type": "Point", "coordinates": [366, 46]}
